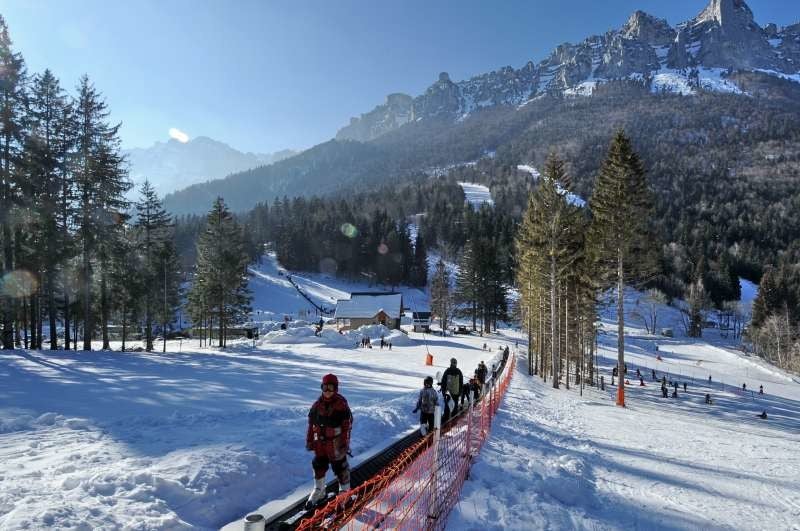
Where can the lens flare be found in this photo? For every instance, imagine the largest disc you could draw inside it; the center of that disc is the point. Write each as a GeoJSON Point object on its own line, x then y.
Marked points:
{"type": "Point", "coordinates": [18, 284]}
{"type": "Point", "coordinates": [349, 230]}
{"type": "Point", "coordinates": [328, 266]}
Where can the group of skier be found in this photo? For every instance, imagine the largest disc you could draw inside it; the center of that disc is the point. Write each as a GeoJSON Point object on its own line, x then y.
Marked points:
{"type": "Point", "coordinates": [330, 420]}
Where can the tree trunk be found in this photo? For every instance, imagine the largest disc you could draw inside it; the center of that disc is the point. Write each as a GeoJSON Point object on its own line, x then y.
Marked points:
{"type": "Point", "coordinates": [124, 325]}
{"type": "Point", "coordinates": [51, 311]}
{"type": "Point", "coordinates": [620, 330]}
{"type": "Point", "coordinates": [553, 318]}
{"type": "Point", "coordinates": [566, 332]}
{"type": "Point", "coordinates": [104, 305]}
{"type": "Point", "coordinates": [66, 320]}
{"type": "Point", "coordinates": [87, 297]}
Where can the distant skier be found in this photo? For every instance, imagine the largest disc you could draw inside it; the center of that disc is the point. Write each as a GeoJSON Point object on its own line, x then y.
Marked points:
{"type": "Point", "coordinates": [684, 387]}
{"type": "Point", "coordinates": [426, 405]}
{"type": "Point", "coordinates": [763, 415]}
{"type": "Point", "coordinates": [451, 384]}
{"type": "Point", "coordinates": [654, 374]}
{"type": "Point", "coordinates": [329, 423]}
{"type": "Point", "coordinates": [744, 387]}
{"type": "Point", "coordinates": [709, 378]}
{"type": "Point", "coordinates": [482, 372]}
{"type": "Point", "coordinates": [761, 389]}
{"type": "Point", "coordinates": [475, 388]}
{"type": "Point", "coordinates": [708, 399]}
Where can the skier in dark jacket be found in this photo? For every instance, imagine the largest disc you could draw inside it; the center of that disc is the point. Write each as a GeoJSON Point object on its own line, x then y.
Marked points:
{"type": "Point", "coordinates": [426, 405]}
{"type": "Point", "coordinates": [482, 371]}
{"type": "Point", "coordinates": [328, 436]}
{"type": "Point", "coordinates": [451, 384]}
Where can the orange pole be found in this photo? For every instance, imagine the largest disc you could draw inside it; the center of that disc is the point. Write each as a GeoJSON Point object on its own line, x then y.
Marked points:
{"type": "Point", "coordinates": [621, 393]}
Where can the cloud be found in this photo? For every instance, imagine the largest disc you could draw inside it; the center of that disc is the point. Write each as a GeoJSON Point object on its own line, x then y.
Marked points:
{"type": "Point", "coordinates": [178, 135]}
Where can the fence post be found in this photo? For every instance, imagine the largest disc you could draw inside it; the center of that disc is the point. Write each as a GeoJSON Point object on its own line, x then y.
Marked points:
{"type": "Point", "coordinates": [433, 505]}
{"type": "Point", "coordinates": [469, 430]}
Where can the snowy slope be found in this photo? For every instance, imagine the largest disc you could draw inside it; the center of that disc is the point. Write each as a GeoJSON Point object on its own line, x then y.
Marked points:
{"type": "Point", "coordinates": [477, 194]}
{"type": "Point", "coordinates": [196, 438]}
{"type": "Point", "coordinates": [561, 461]}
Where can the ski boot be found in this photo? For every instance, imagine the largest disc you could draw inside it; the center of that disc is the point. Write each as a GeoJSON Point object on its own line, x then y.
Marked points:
{"type": "Point", "coordinates": [345, 487]}
{"type": "Point", "coordinates": [317, 495]}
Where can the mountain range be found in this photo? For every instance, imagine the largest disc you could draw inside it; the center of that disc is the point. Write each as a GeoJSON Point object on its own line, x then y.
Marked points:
{"type": "Point", "coordinates": [696, 54]}
{"type": "Point", "coordinates": [721, 53]}
{"type": "Point", "coordinates": [172, 165]}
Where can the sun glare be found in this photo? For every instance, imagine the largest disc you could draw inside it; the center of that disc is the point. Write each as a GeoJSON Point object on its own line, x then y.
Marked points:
{"type": "Point", "coordinates": [178, 135]}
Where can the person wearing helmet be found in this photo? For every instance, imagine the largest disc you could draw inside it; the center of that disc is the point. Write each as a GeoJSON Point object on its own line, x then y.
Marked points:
{"type": "Point", "coordinates": [329, 424]}
{"type": "Point", "coordinates": [452, 382]}
{"type": "Point", "coordinates": [426, 405]}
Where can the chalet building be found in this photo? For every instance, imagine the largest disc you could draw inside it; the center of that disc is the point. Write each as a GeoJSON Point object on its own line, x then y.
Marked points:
{"type": "Point", "coordinates": [421, 321]}
{"type": "Point", "coordinates": [366, 308]}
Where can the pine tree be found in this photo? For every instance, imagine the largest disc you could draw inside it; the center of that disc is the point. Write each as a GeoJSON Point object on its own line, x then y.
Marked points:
{"type": "Point", "coordinates": [12, 138]}
{"type": "Point", "coordinates": [441, 299]}
{"type": "Point", "coordinates": [45, 155]}
{"type": "Point", "coordinates": [468, 281]}
{"type": "Point", "coordinates": [155, 232]}
{"type": "Point", "coordinates": [419, 276]}
{"type": "Point", "coordinates": [620, 233]}
{"type": "Point", "coordinates": [101, 183]}
{"type": "Point", "coordinates": [220, 280]}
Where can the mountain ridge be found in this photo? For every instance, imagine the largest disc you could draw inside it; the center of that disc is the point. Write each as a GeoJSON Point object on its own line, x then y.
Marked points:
{"type": "Point", "coordinates": [171, 164]}
{"type": "Point", "coordinates": [698, 53]}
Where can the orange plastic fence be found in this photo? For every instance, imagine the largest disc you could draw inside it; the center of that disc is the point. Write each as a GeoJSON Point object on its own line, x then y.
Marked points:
{"type": "Point", "coordinates": [421, 486]}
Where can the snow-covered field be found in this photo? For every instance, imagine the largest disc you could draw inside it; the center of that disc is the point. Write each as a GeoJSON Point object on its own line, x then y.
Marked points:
{"type": "Point", "coordinates": [477, 194]}
{"type": "Point", "coordinates": [558, 460]}
{"type": "Point", "coordinates": [196, 438]}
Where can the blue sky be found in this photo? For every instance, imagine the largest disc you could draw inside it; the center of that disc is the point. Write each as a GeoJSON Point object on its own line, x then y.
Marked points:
{"type": "Point", "coordinates": [267, 75]}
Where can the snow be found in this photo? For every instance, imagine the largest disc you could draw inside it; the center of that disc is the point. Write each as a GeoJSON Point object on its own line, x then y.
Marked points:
{"type": "Point", "coordinates": [561, 461]}
{"type": "Point", "coordinates": [572, 198]}
{"type": "Point", "coordinates": [198, 437]}
{"type": "Point", "coordinates": [477, 194]}
{"type": "Point", "coordinates": [749, 292]}
{"type": "Point", "coordinates": [790, 77]}
{"type": "Point", "coordinates": [586, 88]}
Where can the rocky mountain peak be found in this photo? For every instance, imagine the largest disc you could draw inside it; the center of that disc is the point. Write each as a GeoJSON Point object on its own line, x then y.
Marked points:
{"type": "Point", "coordinates": [726, 13]}
{"type": "Point", "coordinates": [647, 28]}
{"type": "Point", "coordinates": [698, 54]}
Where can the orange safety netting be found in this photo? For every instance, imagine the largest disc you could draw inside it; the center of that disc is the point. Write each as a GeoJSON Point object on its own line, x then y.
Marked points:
{"type": "Point", "coordinates": [420, 487]}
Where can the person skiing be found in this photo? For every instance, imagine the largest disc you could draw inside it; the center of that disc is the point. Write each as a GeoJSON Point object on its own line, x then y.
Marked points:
{"type": "Point", "coordinates": [328, 436]}
{"type": "Point", "coordinates": [481, 372]}
{"type": "Point", "coordinates": [451, 384]}
{"type": "Point", "coordinates": [426, 405]}
{"type": "Point", "coordinates": [761, 389]}
{"type": "Point", "coordinates": [708, 399]}
{"type": "Point", "coordinates": [763, 415]}
{"type": "Point", "coordinates": [475, 387]}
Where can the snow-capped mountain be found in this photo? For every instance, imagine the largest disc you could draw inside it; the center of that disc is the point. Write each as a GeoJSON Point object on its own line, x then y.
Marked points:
{"type": "Point", "coordinates": [697, 54]}
{"type": "Point", "coordinates": [172, 165]}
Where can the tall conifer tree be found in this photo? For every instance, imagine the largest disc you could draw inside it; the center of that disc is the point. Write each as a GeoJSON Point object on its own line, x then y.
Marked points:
{"type": "Point", "coordinates": [620, 232]}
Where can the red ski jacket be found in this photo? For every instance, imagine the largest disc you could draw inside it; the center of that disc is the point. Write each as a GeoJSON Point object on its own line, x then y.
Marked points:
{"type": "Point", "coordinates": [329, 420]}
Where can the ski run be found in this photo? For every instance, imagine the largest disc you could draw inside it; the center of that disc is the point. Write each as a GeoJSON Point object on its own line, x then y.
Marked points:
{"type": "Point", "coordinates": [196, 438]}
